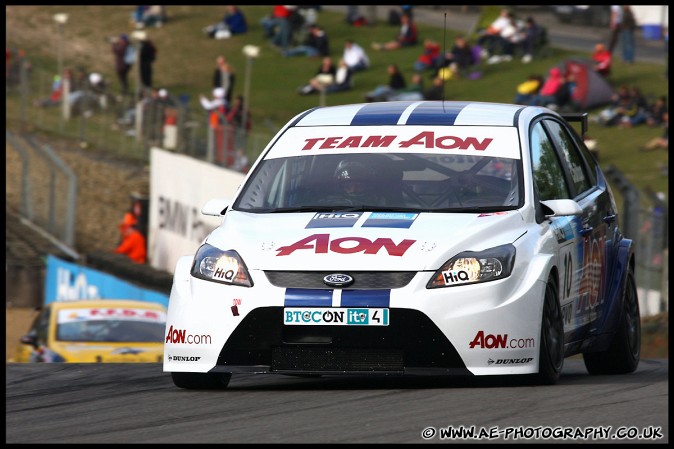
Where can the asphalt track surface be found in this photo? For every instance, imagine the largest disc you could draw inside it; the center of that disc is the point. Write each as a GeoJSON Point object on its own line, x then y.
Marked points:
{"type": "Point", "coordinates": [138, 403]}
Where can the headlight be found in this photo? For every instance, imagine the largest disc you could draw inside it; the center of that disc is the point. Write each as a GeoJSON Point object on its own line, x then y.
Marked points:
{"type": "Point", "coordinates": [226, 267]}
{"type": "Point", "coordinates": [470, 267]}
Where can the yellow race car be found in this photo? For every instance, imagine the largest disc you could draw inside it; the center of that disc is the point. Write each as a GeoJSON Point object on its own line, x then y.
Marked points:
{"type": "Point", "coordinates": [104, 330]}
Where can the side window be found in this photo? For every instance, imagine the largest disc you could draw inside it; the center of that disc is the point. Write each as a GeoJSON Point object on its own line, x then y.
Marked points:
{"type": "Point", "coordinates": [573, 159]}
{"type": "Point", "coordinates": [41, 325]}
{"type": "Point", "coordinates": [548, 173]}
{"type": "Point", "coordinates": [589, 157]}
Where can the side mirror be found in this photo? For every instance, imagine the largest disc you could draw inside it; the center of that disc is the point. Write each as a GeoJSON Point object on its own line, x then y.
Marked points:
{"type": "Point", "coordinates": [560, 208]}
{"type": "Point", "coordinates": [215, 207]}
{"type": "Point", "coordinates": [30, 339]}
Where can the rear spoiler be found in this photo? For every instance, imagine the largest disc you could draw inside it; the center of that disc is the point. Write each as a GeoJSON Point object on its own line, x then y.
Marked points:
{"type": "Point", "coordinates": [577, 117]}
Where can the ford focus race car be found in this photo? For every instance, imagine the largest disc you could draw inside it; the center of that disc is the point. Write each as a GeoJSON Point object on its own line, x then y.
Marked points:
{"type": "Point", "coordinates": [410, 238]}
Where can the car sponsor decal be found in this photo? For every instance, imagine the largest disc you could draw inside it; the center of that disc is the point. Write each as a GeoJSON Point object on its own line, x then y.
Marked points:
{"type": "Point", "coordinates": [334, 220]}
{"type": "Point", "coordinates": [335, 317]}
{"type": "Point", "coordinates": [441, 140]}
{"type": "Point", "coordinates": [562, 228]}
{"type": "Point", "coordinates": [389, 220]}
{"type": "Point", "coordinates": [435, 114]}
{"type": "Point", "coordinates": [500, 341]}
{"type": "Point", "coordinates": [128, 351]}
{"type": "Point", "coordinates": [307, 297]}
{"type": "Point", "coordinates": [489, 214]}
{"type": "Point", "coordinates": [183, 358]}
{"type": "Point", "coordinates": [181, 336]}
{"type": "Point", "coordinates": [591, 290]}
{"type": "Point", "coordinates": [110, 313]}
{"type": "Point", "coordinates": [321, 244]}
{"type": "Point", "coordinates": [236, 302]}
{"type": "Point", "coordinates": [509, 361]}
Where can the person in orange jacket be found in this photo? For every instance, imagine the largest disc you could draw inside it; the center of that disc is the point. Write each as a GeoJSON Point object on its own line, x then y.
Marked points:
{"type": "Point", "coordinates": [133, 241]}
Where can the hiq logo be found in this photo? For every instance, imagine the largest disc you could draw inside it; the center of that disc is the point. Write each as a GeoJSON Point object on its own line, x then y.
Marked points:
{"type": "Point", "coordinates": [451, 277]}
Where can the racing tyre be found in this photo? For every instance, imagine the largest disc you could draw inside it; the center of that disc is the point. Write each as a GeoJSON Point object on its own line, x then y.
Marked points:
{"type": "Point", "coordinates": [622, 356]}
{"type": "Point", "coordinates": [201, 381]}
{"type": "Point", "coordinates": [551, 356]}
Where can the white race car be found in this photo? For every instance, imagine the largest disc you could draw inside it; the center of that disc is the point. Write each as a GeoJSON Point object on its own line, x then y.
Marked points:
{"type": "Point", "coordinates": [410, 238]}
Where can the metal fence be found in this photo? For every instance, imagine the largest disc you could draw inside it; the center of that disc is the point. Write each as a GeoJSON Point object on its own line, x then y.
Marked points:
{"type": "Point", "coordinates": [122, 125]}
{"type": "Point", "coordinates": [124, 128]}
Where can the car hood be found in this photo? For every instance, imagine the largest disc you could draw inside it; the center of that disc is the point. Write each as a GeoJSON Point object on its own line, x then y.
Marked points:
{"type": "Point", "coordinates": [362, 240]}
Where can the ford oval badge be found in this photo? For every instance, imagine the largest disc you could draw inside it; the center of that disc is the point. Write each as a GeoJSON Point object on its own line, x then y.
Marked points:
{"type": "Point", "coordinates": [338, 280]}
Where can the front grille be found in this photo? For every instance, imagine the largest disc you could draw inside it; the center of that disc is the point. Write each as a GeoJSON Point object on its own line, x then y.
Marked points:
{"type": "Point", "coordinates": [362, 279]}
{"type": "Point", "coordinates": [411, 340]}
{"type": "Point", "coordinates": [324, 359]}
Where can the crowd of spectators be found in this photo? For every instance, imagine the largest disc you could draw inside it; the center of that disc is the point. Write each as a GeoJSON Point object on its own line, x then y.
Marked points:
{"type": "Point", "coordinates": [295, 31]}
{"type": "Point", "coordinates": [630, 108]}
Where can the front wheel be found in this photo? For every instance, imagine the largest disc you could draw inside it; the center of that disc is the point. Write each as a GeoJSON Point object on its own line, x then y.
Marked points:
{"type": "Point", "coordinates": [622, 356]}
{"type": "Point", "coordinates": [201, 381]}
{"type": "Point", "coordinates": [551, 356]}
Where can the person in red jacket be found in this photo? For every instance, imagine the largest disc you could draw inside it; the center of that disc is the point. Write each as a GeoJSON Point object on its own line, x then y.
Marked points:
{"type": "Point", "coordinates": [133, 241]}
{"type": "Point", "coordinates": [602, 60]}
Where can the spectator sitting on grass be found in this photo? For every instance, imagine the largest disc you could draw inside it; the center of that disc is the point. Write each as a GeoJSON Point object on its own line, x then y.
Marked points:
{"type": "Point", "coordinates": [354, 56]}
{"type": "Point", "coordinates": [458, 61]}
{"type": "Point", "coordinates": [342, 80]}
{"type": "Point", "coordinates": [395, 83]}
{"type": "Point", "coordinates": [324, 76]}
{"type": "Point", "coordinates": [405, 38]}
{"type": "Point", "coordinates": [528, 89]}
{"type": "Point", "coordinates": [660, 142]}
{"type": "Point", "coordinates": [316, 44]}
{"type": "Point", "coordinates": [233, 22]}
{"type": "Point", "coordinates": [427, 60]}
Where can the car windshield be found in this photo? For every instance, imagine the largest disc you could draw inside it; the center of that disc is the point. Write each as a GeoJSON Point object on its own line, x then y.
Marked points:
{"type": "Point", "coordinates": [420, 182]}
{"type": "Point", "coordinates": [111, 325]}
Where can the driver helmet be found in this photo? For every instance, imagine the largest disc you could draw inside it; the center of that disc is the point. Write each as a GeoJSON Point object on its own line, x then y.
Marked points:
{"type": "Point", "coordinates": [354, 178]}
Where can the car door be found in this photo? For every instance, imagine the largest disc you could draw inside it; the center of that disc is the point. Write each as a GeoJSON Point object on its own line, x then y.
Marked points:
{"type": "Point", "coordinates": [39, 332]}
{"type": "Point", "coordinates": [551, 183]}
{"type": "Point", "coordinates": [598, 215]}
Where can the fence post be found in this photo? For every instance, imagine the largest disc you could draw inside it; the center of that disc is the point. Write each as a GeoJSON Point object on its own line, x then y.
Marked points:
{"type": "Point", "coordinates": [664, 284]}
{"type": "Point", "coordinates": [630, 211]}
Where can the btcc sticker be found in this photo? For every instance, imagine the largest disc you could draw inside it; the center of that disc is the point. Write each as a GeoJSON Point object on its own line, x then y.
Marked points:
{"type": "Point", "coordinates": [335, 317]}
{"type": "Point", "coordinates": [389, 220]}
{"type": "Point", "coordinates": [334, 220]}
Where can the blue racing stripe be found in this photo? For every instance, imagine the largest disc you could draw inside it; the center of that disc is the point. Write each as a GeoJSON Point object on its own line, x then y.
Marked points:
{"type": "Point", "coordinates": [383, 113]}
{"type": "Point", "coordinates": [365, 298]}
{"type": "Point", "coordinates": [436, 113]}
{"type": "Point", "coordinates": [305, 297]}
